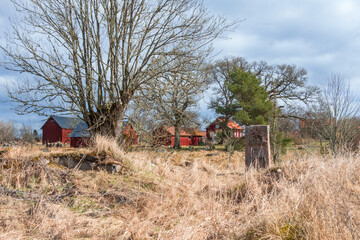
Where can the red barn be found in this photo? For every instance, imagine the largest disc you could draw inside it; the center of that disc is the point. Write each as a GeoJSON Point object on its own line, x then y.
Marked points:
{"type": "Point", "coordinates": [80, 136]}
{"type": "Point", "coordinates": [57, 129]}
{"type": "Point", "coordinates": [216, 127]}
{"type": "Point", "coordinates": [188, 136]}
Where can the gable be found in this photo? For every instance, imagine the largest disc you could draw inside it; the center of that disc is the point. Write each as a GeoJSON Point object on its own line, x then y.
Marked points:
{"type": "Point", "coordinates": [51, 123]}
{"type": "Point", "coordinates": [65, 122]}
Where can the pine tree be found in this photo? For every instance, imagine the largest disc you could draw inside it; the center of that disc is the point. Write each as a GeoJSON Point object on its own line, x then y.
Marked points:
{"type": "Point", "coordinates": [251, 97]}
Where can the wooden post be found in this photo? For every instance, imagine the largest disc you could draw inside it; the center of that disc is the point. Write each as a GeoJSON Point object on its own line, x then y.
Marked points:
{"type": "Point", "coordinates": [257, 146]}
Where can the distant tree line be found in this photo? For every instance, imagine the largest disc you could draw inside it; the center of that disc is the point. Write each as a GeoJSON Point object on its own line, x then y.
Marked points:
{"type": "Point", "coordinates": [9, 132]}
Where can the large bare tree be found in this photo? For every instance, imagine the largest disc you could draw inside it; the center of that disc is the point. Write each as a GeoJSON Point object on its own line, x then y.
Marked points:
{"type": "Point", "coordinates": [334, 116]}
{"type": "Point", "coordinates": [174, 95]}
{"type": "Point", "coordinates": [89, 57]}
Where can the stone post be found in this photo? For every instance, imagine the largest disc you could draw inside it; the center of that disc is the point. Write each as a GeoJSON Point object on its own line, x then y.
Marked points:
{"type": "Point", "coordinates": [257, 146]}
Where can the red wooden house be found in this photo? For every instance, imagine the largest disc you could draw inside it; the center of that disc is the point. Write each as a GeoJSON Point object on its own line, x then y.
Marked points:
{"type": "Point", "coordinates": [188, 136]}
{"type": "Point", "coordinates": [57, 129]}
{"type": "Point", "coordinates": [216, 126]}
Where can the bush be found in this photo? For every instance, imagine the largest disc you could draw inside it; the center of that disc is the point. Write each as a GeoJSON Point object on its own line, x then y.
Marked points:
{"type": "Point", "coordinates": [28, 135]}
{"type": "Point", "coordinates": [7, 131]}
{"type": "Point", "coordinates": [237, 144]}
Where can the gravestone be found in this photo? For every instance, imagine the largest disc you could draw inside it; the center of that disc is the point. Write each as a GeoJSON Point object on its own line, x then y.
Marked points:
{"type": "Point", "coordinates": [257, 146]}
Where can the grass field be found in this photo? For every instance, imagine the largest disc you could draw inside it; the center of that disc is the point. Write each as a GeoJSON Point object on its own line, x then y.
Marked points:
{"type": "Point", "coordinates": [178, 195]}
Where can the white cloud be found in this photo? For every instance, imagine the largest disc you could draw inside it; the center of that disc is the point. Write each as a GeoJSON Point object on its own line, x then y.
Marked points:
{"type": "Point", "coordinates": [6, 80]}
{"type": "Point", "coordinates": [235, 42]}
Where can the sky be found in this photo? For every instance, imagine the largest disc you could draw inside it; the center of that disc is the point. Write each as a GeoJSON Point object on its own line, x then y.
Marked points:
{"type": "Point", "coordinates": [322, 36]}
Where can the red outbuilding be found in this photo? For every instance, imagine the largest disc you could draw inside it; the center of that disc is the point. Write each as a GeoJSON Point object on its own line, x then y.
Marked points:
{"type": "Point", "coordinates": [80, 136]}
{"type": "Point", "coordinates": [188, 136]}
{"type": "Point", "coordinates": [57, 129]}
{"type": "Point", "coordinates": [216, 127]}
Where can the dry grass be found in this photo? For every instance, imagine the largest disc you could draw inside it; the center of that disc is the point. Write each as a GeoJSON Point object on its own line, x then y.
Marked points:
{"type": "Point", "coordinates": [182, 195]}
{"type": "Point", "coordinates": [108, 145]}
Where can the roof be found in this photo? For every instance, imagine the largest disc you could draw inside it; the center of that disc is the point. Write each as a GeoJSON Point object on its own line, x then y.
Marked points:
{"type": "Point", "coordinates": [81, 130]}
{"type": "Point", "coordinates": [186, 131]}
{"type": "Point", "coordinates": [66, 122]}
{"type": "Point", "coordinates": [231, 124]}
{"type": "Point", "coordinates": [203, 134]}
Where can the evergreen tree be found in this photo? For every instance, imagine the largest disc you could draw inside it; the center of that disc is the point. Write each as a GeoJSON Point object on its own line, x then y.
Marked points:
{"type": "Point", "coordinates": [251, 97]}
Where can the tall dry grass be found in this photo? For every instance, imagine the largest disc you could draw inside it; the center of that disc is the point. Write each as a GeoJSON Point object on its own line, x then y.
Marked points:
{"type": "Point", "coordinates": [308, 198]}
{"type": "Point", "coordinates": [188, 195]}
{"type": "Point", "coordinates": [108, 145]}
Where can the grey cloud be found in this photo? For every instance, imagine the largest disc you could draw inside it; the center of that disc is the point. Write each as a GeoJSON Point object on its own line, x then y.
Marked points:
{"type": "Point", "coordinates": [320, 35]}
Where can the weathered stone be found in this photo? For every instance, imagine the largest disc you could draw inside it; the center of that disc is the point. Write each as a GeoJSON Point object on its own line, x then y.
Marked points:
{"type": "Point", "coordinates": [86, 166]}
{"type": "Point", "coordinates": [110, 168]}
{"type": "Point", "coordinates": [90, 158]}
{"type": "Point", "coordinates": [71, 162]}
{"type": "Point", "coordinates": [67, 161]}
{"type": "Point", "coordinates": [88, 162]}
{"type": "Point", "coordinates": [257, 146]}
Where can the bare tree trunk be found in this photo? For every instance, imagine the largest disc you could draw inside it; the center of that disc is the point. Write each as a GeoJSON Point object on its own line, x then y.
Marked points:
{"type": "Point", "coordinates": [177, 144]}
{"type": "Point", "coordinates": [108, 120]}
